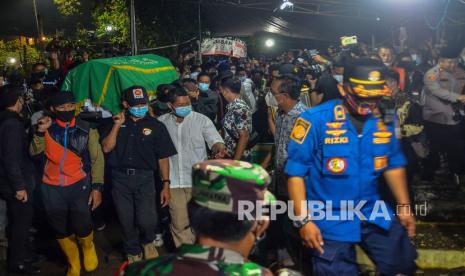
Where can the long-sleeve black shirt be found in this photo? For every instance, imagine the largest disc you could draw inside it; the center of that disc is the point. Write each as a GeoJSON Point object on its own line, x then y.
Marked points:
{"type": "Point", "coordinates": [16, 169]}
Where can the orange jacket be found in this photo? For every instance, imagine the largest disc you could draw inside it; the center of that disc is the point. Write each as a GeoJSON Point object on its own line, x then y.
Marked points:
{"type": "Point", "coordinates": [63, 144]}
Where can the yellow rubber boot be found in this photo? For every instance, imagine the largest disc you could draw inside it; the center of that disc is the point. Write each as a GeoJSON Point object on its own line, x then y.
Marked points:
{"type": "Point", "coordinates": [88, 249]}
{"type": "Point", "coordinates": [71, 250]}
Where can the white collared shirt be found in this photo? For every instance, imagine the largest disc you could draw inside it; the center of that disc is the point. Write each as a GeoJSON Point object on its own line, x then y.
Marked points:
{"type": "Point", "coordinates": [189, 138]}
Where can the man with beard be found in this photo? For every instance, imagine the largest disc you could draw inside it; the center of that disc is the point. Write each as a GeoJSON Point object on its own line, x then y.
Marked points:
{"type": "Point", "coordinates": [337, 152]}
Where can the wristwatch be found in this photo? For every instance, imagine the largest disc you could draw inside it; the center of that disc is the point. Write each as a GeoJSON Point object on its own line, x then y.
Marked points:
{"type": "Point", "coordinates": [97, 186]}
{"type": "Point", "coordinates": [166, 181]}
{"type": "Point", "coordinates": [301, 223]}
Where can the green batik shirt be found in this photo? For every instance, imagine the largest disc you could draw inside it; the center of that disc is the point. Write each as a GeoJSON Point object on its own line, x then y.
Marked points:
{"type": "Point", "coordinates": [198, 260]}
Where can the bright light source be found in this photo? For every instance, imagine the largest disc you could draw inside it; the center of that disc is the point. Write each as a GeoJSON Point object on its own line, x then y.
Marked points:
{"type": "Point", "coordinates": [286, 4]}
{"type": "Point", "coordinates": [11, 60]}
{"type": "Point", "coordinates": [269, 42]}
{"type": "Point", "coordinates": [108, 28]}
{"type": "Point", "coordinates": [43, 38]}
{"type": "Point", "coordinates": [378, 18]}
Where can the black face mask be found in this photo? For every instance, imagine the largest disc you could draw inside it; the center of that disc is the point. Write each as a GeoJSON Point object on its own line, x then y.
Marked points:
{"type": "Point", "coordinates": [38, 76]}
{"type": "Point", "coordinates": [65, 116]}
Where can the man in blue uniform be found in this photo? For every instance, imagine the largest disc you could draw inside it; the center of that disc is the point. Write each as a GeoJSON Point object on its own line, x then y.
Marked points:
{"type": "Point", "coordinates": [337, 151]}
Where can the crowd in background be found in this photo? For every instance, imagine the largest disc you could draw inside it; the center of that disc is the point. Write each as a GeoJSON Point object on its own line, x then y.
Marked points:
{"type": "Point", "coordinates": [229, 106]}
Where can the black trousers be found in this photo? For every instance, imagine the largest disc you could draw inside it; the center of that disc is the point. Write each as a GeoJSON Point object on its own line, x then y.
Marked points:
{"type": "Point", "coordinates": [20, 219]}
{"type": "Point", "coordinates": [446, 139]}
{"type": "Point", "coordinates": [67, 208]}
{"type": "Point", "coordinates": [134, 198]}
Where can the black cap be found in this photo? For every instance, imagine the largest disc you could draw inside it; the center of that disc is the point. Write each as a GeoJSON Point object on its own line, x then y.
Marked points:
{"type": "Point", "coordinates": [450, 52]}
{"type": "Point", "coordinates": [136, 95]}
{"type": "Point", "coordinates": [287, 69]}
{"type": "Point", "coordinates": [9, 94]}
{"type": "Point", "coordinates": [367, 76]}
{"type": "Point", "coordinates": [62, 97]}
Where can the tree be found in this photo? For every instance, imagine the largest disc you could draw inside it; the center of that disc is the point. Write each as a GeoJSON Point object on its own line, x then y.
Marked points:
{"type": "Point", "coordinates": [68, 7]}
{"type": "Point", "coordinates": [15, 49]}
{"type": "Point", "coordinates": [112, 21]}
{"type": "Point", "coordinates": [104, 13]}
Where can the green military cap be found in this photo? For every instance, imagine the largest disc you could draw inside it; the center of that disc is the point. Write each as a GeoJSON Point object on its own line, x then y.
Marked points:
{"type": "Point", "coordinates": [220, 185]}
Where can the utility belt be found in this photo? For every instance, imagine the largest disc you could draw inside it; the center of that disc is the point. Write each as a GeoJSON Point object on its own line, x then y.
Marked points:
{"type": "Point", "coordinates": [130, 171]}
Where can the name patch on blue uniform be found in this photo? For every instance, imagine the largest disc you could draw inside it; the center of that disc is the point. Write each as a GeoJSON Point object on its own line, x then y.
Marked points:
{"type": "Point", "coordinates": [336, 140]}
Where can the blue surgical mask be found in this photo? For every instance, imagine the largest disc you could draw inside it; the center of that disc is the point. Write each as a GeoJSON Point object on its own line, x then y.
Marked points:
{"type": "Point", "coordinates": [204, 86]}
{"type": "Point", "coordinates": [138, 111]}
{"type": "Point", "coordinates": [183, 111]}
{"type": "Point", "coordinates": [242, 79]}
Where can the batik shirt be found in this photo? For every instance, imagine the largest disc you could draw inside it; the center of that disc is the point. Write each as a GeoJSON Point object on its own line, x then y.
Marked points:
{"type": "Point", "coordinates": [238, 117]}
{"type": "Point", "coordinates": [284, 124]}
{"type": "Point", "coordinates": [198, 260]}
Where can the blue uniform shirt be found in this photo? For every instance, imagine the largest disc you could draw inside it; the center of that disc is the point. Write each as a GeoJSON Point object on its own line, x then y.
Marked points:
{"type": "Point", "coordinates": [339, 165]}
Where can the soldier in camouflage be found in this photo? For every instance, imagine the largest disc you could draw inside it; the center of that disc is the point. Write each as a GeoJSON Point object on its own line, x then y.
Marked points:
{"type": "Point", "coordinates": [223, 240]}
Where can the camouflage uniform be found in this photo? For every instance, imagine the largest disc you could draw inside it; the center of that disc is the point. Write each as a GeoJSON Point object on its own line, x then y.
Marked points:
{"type": "Point", "coordinates": [199, 260]}
{"type": "Point", "coordinates": [217, 185]}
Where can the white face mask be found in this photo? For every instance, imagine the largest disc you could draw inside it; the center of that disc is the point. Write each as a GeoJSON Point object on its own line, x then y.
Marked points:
{"type": "Point", "coordinates": [339, 78]}
{"type": "Point", "coordinates": [194, 75]}
{"type": "Point", "coordinates": [271, 100]}
{"type": "Point", "coordinates": [414, 57]}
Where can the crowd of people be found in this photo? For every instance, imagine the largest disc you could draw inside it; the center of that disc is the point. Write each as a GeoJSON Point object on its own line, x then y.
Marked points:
{"type": "Point", "coordinates": [152, 157]}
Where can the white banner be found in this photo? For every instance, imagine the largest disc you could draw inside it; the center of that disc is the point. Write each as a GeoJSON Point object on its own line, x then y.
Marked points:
{"type": "Point", "coordinates": [232, 47]}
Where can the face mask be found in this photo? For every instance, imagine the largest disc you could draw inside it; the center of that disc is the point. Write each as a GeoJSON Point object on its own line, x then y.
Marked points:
{"type": "Point", "coordinates": [38, 76]}
{"type": "Point", "coordinates": [194, 75]}
{"type": "Point", "coordinates": [138, 112]}
{"type": "Point", "coordinates": [339, 78]}
{"type": "Point", "coordinates": [270, 100]}
{"type": "Point", "coordinates": [242, 79]}
{"type": "Point", "coordinates": [233, 71]}
{"type": "Point", "coordinates": [204, 86]}
{"type": "Point", "coordinates": [414, 57]}
{"type": "Point", "coordinates": [65, 116]}
{"type": "Point", "coordinates": [183, 111]}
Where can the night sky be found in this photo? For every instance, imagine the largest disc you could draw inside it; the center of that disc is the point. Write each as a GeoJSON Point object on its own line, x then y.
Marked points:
{"type": "Point", "coordinates": [17, 17]}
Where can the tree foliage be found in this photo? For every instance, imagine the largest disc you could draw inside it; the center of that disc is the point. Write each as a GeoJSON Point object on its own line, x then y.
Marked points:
{"type": "Point", "coordinates": [159, 22]}
{"type": "Point", "coordinates": [68, 7]}
{"type": "Point", "coordinates": [15, 49]}
{"type": "Point", "coordinates": [112, 13]}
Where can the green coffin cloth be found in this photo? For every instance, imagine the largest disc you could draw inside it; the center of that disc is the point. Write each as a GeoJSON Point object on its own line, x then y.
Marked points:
{"type": "Point", "coordinates": [104, 80]}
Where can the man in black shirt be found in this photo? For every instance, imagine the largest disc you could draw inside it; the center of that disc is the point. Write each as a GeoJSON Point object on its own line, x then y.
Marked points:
{"type": "Point", "coordinates": [16, 180]}
{"type": "Point", "coordinates": [326, 86]}
{"type": "Point", "coordinates": [137, 144]}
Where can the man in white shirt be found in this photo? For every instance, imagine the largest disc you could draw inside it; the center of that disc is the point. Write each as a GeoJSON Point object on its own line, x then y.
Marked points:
{"type": "Point", "coordinates": [191, 133]}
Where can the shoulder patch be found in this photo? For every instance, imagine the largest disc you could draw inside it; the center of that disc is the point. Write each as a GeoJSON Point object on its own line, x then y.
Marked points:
{"type": "Point", "coordinates": [432, 77]}
{"type": "Point", "coordinates": [300, 130]}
